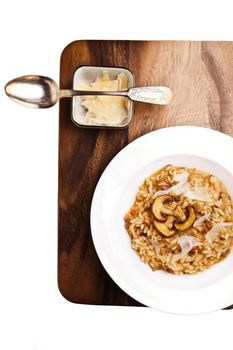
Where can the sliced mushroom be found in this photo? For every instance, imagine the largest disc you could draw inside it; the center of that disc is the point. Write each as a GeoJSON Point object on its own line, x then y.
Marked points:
{"type": "Point", "coordinates": [190, 218]}
{"type": "Point", "coordinates": [163, 229]}
{"type": "Point", "coordinates": [179, 214]}
{"type": "Point", "coordinates": [168, 206]}
{"type": "Point", "coordinates": [170, 221]}
{"type": "Point", "coordinates": [163, 206]}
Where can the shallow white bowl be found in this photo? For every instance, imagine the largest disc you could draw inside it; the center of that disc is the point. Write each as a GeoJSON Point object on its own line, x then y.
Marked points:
{"type": "Point", "coordinates": [88, 74]}
{"type": "Point", "coordinates": [188, 146]}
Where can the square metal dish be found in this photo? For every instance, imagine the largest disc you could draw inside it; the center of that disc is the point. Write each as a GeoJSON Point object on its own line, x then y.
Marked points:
{"type": "Point", "coordinates": [88, 74]}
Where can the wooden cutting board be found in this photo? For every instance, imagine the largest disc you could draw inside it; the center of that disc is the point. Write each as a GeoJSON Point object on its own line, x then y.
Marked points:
{"type": "Point", "coordinates": [201, 77]}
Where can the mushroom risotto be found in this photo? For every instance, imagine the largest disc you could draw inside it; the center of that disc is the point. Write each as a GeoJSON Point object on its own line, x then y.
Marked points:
{"type": "Point", "coordinates": [181, 220]}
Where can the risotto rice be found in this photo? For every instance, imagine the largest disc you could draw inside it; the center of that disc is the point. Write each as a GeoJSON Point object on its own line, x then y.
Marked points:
{"type": "Point", "coordinates": [181, 220]}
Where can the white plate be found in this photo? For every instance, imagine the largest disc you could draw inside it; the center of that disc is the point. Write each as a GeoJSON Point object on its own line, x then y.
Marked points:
{"type": "Point", "coordinates": [186, 146]}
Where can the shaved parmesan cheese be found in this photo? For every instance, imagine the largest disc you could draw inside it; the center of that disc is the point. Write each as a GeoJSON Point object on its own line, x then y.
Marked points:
{"type": "Point", "coordinates": [160, 193]}
{"type": "Point", "coordinates": [212, 233]}
{"type": "Point", "coordinates": [182, 187]}
{"type": "Point", "coordinates": [186, 244]}
{"type": "Point", "coordinates": [178, 188]}
{"type": "Point", "coordinates": [155, 244]}
{"type": "Point", "coordinates": [198, 194]}
{"type": "Point", "coordinates": [182, 184]}
{"type": "Point", "coordinates": [181, 177]}
{"type": "Point", "coordinates": [111, 110]}
{"type": "Point", "coordinates": [201, 219]}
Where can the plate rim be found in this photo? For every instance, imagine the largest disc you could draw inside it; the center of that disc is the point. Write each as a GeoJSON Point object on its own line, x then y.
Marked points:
{"type": "Point", "coordinates": [114, 274]}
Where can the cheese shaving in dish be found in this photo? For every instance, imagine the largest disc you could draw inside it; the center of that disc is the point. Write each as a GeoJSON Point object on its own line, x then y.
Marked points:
{"type": "Point", "coordinates": [213, 233]}
{"type": "Point", "coordinates": [198, 195]}
{"type": "Point", "coordinates": [156, 245]}
{"type": "Point", "coordinates": [201, 220]}
{"type": "Point", "coordinates": [177, 189]}
{"type": "Point", "coordinates": [182, 187]}
{"type": "Point", "coordinates": [105, 110]}
{"type": "Point", "coordinates": [186, 243]}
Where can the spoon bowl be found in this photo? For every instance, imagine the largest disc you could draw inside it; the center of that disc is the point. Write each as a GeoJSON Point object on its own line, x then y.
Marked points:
{"type": "Point", "coordinates": [33, 91]}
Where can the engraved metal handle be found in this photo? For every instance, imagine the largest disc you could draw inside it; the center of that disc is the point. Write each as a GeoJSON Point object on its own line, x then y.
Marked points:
{"type": "Point", "coordinates": [160, 95]}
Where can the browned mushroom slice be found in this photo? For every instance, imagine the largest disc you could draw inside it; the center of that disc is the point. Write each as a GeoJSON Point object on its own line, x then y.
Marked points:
{"type": "Point", "coordinates": [179, 214]}
{"type": "Point", "coordinates": [170, 221]}
{"type": "Point", "coordinates": [162, 207]}
{"type": "Point", "coordinates": [190, 218]}
{"type": "Point", "coordinates": [163, 229]}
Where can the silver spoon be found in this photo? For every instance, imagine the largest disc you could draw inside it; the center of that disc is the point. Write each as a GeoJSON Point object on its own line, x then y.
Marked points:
{"type": "Point", "coordinates": [41, 92]}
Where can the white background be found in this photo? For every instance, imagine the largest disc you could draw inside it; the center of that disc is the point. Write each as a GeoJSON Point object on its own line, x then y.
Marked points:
{"type": "Point", "coordinates": [33, 314]}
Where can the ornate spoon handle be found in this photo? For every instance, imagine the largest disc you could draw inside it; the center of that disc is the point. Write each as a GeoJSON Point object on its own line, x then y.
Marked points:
{"type": "Point", "coordinates": [160, 95]}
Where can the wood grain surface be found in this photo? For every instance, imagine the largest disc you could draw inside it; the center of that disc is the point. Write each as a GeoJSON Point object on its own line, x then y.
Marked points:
{"type": "Point", "coordinates": [201, 77]}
